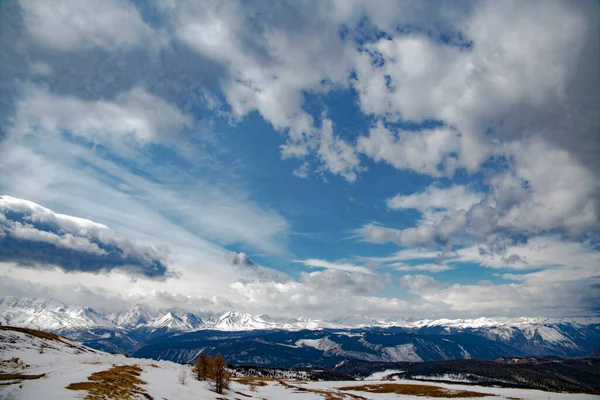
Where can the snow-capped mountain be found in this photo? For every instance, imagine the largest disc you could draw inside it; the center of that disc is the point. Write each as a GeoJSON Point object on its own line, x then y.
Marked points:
{"type": "Point", "coordinates": [126, 330]}
{"type": "Point", "coordinates": [134, 317]}
{"type": "Point", "coordinates": [235, 321]}
{"type": "Point", "coordinates": [185, 322]}
{"type": "Point", "coordinates": [49, 315]}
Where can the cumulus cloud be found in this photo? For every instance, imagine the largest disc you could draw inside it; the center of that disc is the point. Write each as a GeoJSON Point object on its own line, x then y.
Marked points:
{"type": "Point", "coordinates": [538, 252]}
{"type": "Point", "coordinates": [477, 90]}
{"type": "Point", "coordinates": [32, 235]}
{"type": "Point", "coordinates": [71, 25]}
{"type": "Point", "coordinates": [414, 236]}
{"type": "Point", "coordinates": [338, 157]}
{"type": "Point", "coordinates": [323, 294]}
{"type": "Point", "coordinates": [555, 297]}
{"type": "Point", "coordinates": [334, 279]}
{"type": "Point", "coordinates": [505, 98]}
{"type": "Point", "coordinates": [419, 284]}
{"type": "Point", "coordinates": [425, 151]}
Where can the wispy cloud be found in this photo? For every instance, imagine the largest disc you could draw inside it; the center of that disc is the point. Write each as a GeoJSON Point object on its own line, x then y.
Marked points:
{"type": "Point", "coordinates": [316, 263]}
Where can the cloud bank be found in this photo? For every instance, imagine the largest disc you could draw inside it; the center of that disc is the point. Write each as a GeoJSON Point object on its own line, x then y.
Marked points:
{"type": "Point", "coordinates": [34, 236]}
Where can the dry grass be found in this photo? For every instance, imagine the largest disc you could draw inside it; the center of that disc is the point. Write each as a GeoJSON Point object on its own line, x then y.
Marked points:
{"type": "Point", "coordinates": [13, 363]}
{"type": "Point", "coordinates": [119, 383]}
{"type": "Point", "coordinates": [19, 377]}
{"type": "Point", "coordinates": [253, 380]}
{"type": "Point", "coordinates": [32, 332]}
{"type": "Point", "coordinates": [415, 390]}
{"type": "Point", "coordinates": [47, 336]}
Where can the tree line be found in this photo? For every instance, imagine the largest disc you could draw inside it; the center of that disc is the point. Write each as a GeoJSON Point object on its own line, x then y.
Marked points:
{"type": "Point", "coordinates": [214, 370]}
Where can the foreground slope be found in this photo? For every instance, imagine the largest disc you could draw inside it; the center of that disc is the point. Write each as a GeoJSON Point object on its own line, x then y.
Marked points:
{"type": "Point", "coordinates": [38, 365]}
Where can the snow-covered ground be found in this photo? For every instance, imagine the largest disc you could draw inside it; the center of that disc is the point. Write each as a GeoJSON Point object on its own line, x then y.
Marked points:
{"type": "Point", "coordinates": [64, 362]}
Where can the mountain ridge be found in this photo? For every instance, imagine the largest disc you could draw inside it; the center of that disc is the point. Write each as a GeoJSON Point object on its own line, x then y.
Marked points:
{"type": "Point", "coordinates": [231, 320]}
{"type": "Point", "coordinates": [129, 330]}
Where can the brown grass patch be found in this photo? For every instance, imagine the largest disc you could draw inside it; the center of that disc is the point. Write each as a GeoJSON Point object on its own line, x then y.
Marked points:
{"type": "Point", "coordinates": [415, 390]}
{"type": "Point", "coordinates": [153, 365]}
{"type": "Point", "coordinates": [47, 336]}
{"type": "Point", "coordinates": [32, 332]}
{"type": "Point", "coordinates": [252, 380]}
{"type": "Point", "coordinates": [13, 363]}
{"type": "Point", "coordinates": [19, 377]}
{"type": "Point", "coordinates": [119, 383]}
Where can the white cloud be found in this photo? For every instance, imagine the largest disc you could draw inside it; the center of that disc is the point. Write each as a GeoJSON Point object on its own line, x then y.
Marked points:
{"type": "Point", "coordinates": [72, 25]}
{"type": "Point", "coordinates": [480, 92]}
{"type": "Point", "coordinates": [338, 156]}
{"type": "Point", "coordinates": [136, 112]}
{"type": "Point", "coordinates": [249, 270]}
{"type": "Point", "coordinates": [323, 294]}
{"type": "Point", "coordinates": [476, 89]}
{"type": "Point", "coordinates": [423, 267]}
{"type": "Point", "coordinates": [419, 284]}
{"type": "Point", "coordinates": [538, 252]}
{"type": "Point", "coordinates": [316, 263]}
{"type": "Point", "coordinates": [37, 237]}
{"type": "Point", "coordinates": [403, 255]}
{"type": "Point", "coordinates": [453, 198]}
{"type": "Point", "coordinates": [415, 236]}
{"type": "Point", "coordinates": [548, 189]}
{"type": "Point", "coordinates": [556, 298]}
{"type": "Point", "coordinates": [302, 171]}
{"type": "Point", "coordinates": [424, 151]}
{"type": "Point", "coordinates": [340, 280]}
{"type": "Point", "coordinates": [271, 65]}
{"type": "Point", "coordinates": [521, 91]}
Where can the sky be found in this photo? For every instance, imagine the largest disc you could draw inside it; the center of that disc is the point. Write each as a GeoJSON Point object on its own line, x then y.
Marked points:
{"type": "Point", "coordinates": [434, 159]}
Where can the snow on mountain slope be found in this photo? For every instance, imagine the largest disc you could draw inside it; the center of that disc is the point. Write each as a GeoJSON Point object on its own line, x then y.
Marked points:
{"type": "Point", "coordinates": [531, 336]}
{"type": "Point", "coordinates": [134, 317]}
{"type": "Point", "coordinates": [235, 320]}
{"type": "Point", "coordinates": [63, 362]}
{"type": "Point", "coordinates": [175, 322]}
{"type": "Point", "coordinates": [402, 352]}
{"type": "Point", "coordinates": [37, 365]}
{"type": "Point", "coordinates": [49, 315]}
{"type": "Point", "coordinates": [323, 344]}
{"type": "Point", "coordinates": [496, 322]}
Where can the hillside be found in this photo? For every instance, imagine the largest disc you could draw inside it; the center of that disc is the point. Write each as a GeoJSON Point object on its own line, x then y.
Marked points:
{"type": "Point", "coordinates": [38, 365]}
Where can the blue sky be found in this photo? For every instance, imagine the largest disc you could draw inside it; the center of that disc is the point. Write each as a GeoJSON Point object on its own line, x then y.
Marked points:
{"type": "Point", "coordinates": [412, 160]}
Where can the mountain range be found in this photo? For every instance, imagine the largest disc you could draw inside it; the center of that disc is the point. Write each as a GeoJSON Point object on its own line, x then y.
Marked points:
{"type": "Point", "coordinates": [179, 335]}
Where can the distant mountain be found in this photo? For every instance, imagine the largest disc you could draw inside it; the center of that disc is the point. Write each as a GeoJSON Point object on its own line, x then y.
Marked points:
{"type": "Point", "coordinates": [134, 318]}
{"type": "Point", "coordinates": [343, 338]}
{"type": "Point", "coordinates": [322, 348]}
{"type": "Point", "coordinates": [51, 315]}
